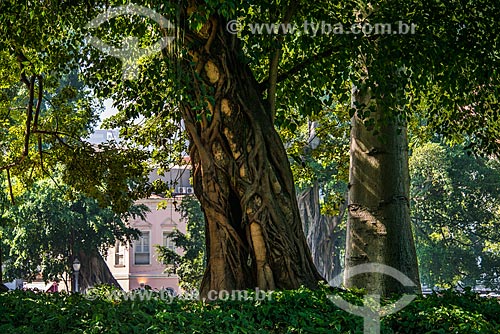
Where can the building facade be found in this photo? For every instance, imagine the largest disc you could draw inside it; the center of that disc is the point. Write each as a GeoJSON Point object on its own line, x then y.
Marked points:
{"type": "Point", "coordinates": [137, 264]}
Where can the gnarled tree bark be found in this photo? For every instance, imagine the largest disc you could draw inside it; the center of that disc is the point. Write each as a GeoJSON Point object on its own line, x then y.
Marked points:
{"type": "Point", "coordinates": [241, 173]}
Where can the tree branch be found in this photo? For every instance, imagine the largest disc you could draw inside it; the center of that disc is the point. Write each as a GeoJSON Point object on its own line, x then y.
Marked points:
{"type": "Point", "coordinates": [264, 85]}
{"type": "Point", "coordinates": [39, 102]}
{"type": "Point", "coordinates": [274, 64]}
{"type": "Point", "coordinates": [40, 151]}
{"type": "Point", "coordinates": [10, 188]}
{"type": "Point", "coordinates": [29, 115]}
{"type": "Point", "coordinates": [37, 114]}
{"type": "Point", "coordinates": [21, 58]}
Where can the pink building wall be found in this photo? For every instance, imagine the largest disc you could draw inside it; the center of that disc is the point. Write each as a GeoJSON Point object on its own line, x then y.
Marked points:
{"type": "Point", "coordinates": [132, 276]}
{"type": "Point", "coordinates": [129, 275]}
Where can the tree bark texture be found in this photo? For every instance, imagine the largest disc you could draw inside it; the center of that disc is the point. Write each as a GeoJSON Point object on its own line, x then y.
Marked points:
{"type": "Point", "coordinates": [379, 228]}
{"type": "Point", "coordinates": [322, 233]}
{"type": "Point", "coordinates": [93, 271]}
{"type": "Point", "coordinates": [241, 173]}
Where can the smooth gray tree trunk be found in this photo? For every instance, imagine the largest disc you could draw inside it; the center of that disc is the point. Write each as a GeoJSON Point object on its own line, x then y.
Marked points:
{"type": "Point", "coordinates": [379, 227]}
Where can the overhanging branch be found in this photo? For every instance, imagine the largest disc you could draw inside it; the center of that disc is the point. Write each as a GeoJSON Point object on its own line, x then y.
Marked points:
{"type": "Point", "coordinates": [264, 85]}
{"type": "Point", "coordinates": [10, 188]}
{"type": "Point", "coordinates": [274, 63]}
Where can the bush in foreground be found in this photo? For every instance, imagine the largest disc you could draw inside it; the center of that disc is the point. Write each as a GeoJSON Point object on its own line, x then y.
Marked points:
{"type": "Point", "coordinates": [294, 311]}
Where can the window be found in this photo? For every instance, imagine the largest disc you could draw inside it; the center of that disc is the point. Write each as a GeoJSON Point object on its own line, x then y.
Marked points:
{"type": "Point", "coordinates": [168, 242]}
{"type": "Point", "coordinates": [141, 249]}
{"type": "Point", "coordinates": [119, 254]}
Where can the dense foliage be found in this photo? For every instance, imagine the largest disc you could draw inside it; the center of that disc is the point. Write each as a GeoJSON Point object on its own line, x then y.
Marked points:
{"type": "Point", "coordinates": [293, 311]}
{"type": "Point", "coordinates": [191, 264]}
{"type": "Point", "coordinates": [46, 109]}
{"type": "Point", "coordinates": [50, 224]}
{"type": "Point", "coordinates": [447, 71]}
{"type": "Point", "coordinates": [319, 154]}
{"type": "Point", "coordinates": [455, 213]}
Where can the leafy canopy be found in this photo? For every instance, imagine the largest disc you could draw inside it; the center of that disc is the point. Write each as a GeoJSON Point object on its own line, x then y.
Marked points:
{"type": "Point", "coordinates": [48, 227]}
{"type": "Point", "coordinates": [455, 213]}
{"type": "Point", "coordinates": [189, 266]}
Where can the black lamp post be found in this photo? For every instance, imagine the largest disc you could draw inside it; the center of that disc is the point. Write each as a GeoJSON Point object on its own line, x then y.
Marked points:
{"type": "Point", "coordinates": [76, 269]}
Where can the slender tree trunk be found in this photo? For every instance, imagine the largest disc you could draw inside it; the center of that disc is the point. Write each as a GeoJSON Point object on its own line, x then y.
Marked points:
{"type": "Point", "coordinates": [1, 260]}
{"type": "Point", "coordinates": [322, 233]}
{"type": "Point", "coordinates": [93, 271]}
{"type": "Point", "coordinates": [241, 173]}
{"type": "Point", "coordinates": [2, 286]}
{"type": "Point", "coordinates": [379, 228]}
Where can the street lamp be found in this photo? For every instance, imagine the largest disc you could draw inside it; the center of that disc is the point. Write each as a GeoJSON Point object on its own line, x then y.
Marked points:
{"type": "Point", "coordinates": [76, 269]}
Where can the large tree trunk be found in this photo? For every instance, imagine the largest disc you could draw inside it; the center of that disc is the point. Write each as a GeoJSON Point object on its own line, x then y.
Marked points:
{"type": "Point", "coordinates": [322, 233]}
{"type": "Point", "coordinates": [93, 271]}
{"type": "Point", "coordinates": [241, 175]}
{"type": "Point", "coordinates": [379, 228]}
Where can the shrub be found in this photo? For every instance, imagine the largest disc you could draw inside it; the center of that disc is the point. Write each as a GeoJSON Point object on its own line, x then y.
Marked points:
{"type": "Point", "coordinates": [293, 311]}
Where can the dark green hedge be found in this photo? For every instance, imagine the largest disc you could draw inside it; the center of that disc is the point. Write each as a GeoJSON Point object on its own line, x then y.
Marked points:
{"type": "Point", "coordinates": [296, 311]}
